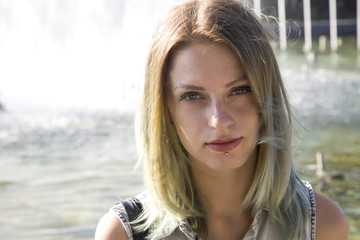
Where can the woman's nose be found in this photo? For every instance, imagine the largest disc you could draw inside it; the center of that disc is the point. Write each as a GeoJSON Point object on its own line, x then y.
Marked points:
{"type": "Point", "coordinates": [219, 116]}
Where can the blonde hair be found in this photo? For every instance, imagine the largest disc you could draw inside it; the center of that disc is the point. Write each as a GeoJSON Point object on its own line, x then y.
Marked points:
{"type": "Point", "coordinates": [166, 163]}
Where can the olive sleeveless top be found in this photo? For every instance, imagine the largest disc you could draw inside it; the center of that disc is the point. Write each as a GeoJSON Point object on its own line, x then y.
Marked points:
{"type": "Point", "coordinates": [263, 226]}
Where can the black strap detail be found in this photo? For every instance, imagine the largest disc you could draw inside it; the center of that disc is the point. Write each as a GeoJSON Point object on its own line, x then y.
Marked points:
{"type": "Point", "coordinates": [134, 208]}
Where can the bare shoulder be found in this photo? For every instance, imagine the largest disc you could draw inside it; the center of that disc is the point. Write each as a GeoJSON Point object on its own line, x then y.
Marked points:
{"type": "Point", "coordinates": [331, 222]}
{"type": "Point", "coordinates": [110, 228]}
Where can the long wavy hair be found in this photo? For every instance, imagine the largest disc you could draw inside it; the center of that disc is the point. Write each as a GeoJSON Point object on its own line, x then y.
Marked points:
{"type": "Point", "coordinates": [166, 163]}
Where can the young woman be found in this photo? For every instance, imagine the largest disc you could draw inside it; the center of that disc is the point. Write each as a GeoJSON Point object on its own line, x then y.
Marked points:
{"type": "Point", "coordinates": [215, 136]}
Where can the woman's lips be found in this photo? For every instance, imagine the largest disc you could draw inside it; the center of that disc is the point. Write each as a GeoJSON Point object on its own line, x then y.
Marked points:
{"type": "Point", "coordinates": [224, 145]}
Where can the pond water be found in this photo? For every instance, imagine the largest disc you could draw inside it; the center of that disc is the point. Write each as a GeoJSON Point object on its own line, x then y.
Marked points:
{"type": "Point", "coordinates": [325, 90]}
{"type": "Point", "coordinates": [60, 170]}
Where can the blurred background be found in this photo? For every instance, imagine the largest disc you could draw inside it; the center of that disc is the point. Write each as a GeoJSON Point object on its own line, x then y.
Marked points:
{"type": "Point", "coordinates": [71, 73]}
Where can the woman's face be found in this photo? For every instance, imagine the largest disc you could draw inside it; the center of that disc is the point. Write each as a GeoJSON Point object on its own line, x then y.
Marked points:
{"type": "Point", "coordinates": [212, 106]}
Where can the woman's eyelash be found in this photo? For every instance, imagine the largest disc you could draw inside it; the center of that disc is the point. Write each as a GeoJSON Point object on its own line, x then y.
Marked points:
{"type": "Point", "coordinates": [192, 96]}
{"type": "Point", "coordinates": [189, 96]}
{"type": "Point", "coordinates": [241, 90]}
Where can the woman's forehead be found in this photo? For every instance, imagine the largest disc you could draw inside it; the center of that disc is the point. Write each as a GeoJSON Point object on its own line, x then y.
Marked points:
{"type": "Point", "coordinates": [198, 62]}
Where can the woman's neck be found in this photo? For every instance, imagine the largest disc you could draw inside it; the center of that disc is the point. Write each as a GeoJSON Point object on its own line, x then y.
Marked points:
{"type": "Point", "coordinates": [222, 193]}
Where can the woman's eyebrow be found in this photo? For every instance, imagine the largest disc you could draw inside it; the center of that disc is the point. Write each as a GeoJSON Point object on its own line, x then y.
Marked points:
{"type": "Point", "coordinates": [241, 79]}
{"type": "Point", "coordinates": [197, 88]}
{"type": "Point", "coordinates": [188, 87]}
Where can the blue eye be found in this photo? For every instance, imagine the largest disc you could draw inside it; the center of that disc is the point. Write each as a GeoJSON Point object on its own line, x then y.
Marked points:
{"type": "Point", "coordinates": [241, 90]}
{"type": "Point", "coordinates": [189, 96]}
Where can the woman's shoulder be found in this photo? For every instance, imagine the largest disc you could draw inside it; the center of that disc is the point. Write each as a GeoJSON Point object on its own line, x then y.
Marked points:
{"type": "Point", "coordinates": [331, 222]}
{"type": "Point", "coordinates": [116, 223]}
{"type": "Point", "coordinates": [110, 228]}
